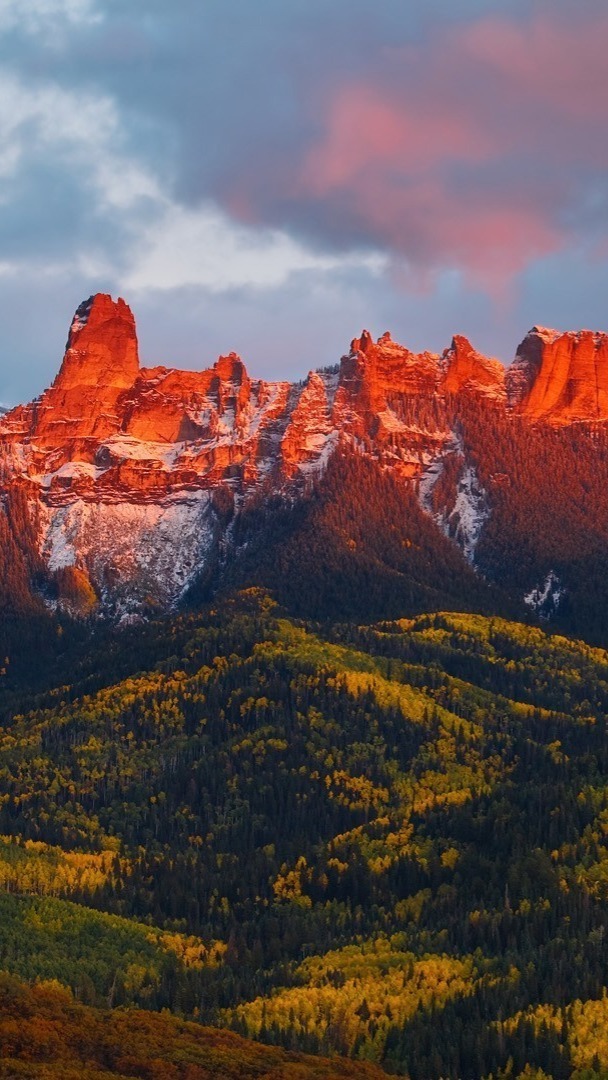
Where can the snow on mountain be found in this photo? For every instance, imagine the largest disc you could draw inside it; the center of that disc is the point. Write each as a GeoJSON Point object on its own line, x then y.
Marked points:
{"type": "Point", "coordinates": [123, 462]}
{"type": "Point", "coordinates": [546, 597]}
{"type": "Point", "coordinates": [464, 517]}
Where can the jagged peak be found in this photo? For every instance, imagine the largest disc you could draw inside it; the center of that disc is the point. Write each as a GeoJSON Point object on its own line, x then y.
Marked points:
{"type": "Point", "coordinates": [461, 343]}
{"type": "Point", "coordinates": [466, 369]}
{"type": "Point", "coordinates": [549, 336]}
{"type": "Point", "coordinates": [546, 333]}
{"type": "Point", "coordinates": [314, 378]}
{"type": "Point", "coordinates": [231, 368]}
{"type": "Point", "coordinates": [102, 345]}
{"type": "Point", "coordinates": [362, 344]}
{"type": "Point", "coordinates": [101, 362]}
{"type": "Point", "coordinates": [96, 310]}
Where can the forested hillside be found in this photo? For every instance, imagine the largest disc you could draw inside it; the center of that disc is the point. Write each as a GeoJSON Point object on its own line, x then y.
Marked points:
{"type": "Point", "coordinates": [358, 547]}
{"type": "Point", "coordinates": [548, 494]}
{"type": "Point", "coordinates": [45, 1033]}
{"type": "Point", "coordinates": [383, 841]}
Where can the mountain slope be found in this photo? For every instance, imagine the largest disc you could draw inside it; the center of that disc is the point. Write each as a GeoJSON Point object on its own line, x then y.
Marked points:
{"type": "Point", "coordinates": [45, 1033]}
{"type": "Point", "coordinates": [144, 485]}
{"type": "Point", "coordinates": [390, 839]}
{"type": "Point", "coordinates": [358, 546]}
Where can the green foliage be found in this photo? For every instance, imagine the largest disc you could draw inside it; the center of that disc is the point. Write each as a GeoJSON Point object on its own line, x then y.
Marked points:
{"type": "Point", "coordinates": [359, 546]}
{"type": "Point", "coordinates": [548, 492]}
{"type": "Point", "coordinates": [389, 841]}
{"type": "Point", "coordinates": [104, 959]}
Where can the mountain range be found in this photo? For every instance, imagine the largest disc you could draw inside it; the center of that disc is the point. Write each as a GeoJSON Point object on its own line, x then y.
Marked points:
{"type": "Point", "coordinates": [129, 489]}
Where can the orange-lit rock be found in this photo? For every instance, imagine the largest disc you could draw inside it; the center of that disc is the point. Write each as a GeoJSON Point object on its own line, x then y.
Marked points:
{"type": "Point", "coordinates": [377, 384]}
{"type": "Point", "coordinates": [102, 346]}
{"type": "Point", "coordinates": [123, 461]}
{"type": "Point", "coordinates": [309, 425]}
{"type": "Point", "coordinates": [468, 371]}
{"type": "Point", "coordinates": [100, 363]}
{"type": "Point", "coordinates": [560, 378]}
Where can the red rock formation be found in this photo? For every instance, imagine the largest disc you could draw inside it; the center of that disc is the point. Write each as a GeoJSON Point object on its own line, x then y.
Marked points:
{"type": "Point", "coordinates": [467, 371]}
{"type": "Point", "coordinates": [109, 429]}
{"type": "Point", "coordinates": [100, 363]}
{"type": "Point", "coordinates": [102, 346]}
{"type": "Point", "coordinates": [309, 425]}
{"type": "Point", "coordinates": [121, 459]}
{"type": "Point", "coordinates": [375, 379]}
{"type": "Point", "coordinates": [560, 378]}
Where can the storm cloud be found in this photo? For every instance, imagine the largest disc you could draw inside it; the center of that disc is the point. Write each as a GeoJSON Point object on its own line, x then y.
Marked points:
{"type": "Point", "coordinates": [271, 178]}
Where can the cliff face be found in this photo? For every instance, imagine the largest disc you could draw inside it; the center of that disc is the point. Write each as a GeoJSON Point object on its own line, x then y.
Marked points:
{"type": "Point", "coordinates": [561, 378]}
{"type": "Point", "coordinates": [99, 364]}
{"type": "Point", "coordinates": [122, 462]}
{"type": "Point", "coordinates": [467, 371]}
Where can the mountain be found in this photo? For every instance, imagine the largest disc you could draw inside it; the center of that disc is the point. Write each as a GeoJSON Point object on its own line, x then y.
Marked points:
{"type": "Point", "coordinates": [143, 485]}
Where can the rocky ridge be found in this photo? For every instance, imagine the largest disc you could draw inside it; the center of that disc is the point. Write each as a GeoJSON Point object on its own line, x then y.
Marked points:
{"type": "Point", "coordinates": [123, 463]}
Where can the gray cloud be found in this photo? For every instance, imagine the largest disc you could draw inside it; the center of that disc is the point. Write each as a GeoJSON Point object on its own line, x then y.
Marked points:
{"type": "Point", "coordinates": [271, 179]}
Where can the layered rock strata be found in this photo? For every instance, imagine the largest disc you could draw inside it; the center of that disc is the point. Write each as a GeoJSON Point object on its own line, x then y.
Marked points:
{"type": "Point", "coordinates": [122, 461]}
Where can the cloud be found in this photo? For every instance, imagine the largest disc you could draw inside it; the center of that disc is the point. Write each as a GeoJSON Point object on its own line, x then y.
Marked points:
{"type": "Point", "coordinates": [306, 166]}
{"type": "Point", "coordinates": [47, 19]}
{"type": "Point", "coordinates": [479, 149]}
{"type": "Point", "coordinates": [448, 139]}
{"type": "Point", "coordinates": [68, 182]}
{"type": "Point", "coordinates": [205, 248]}
{"type": "Point", "coordinates": [76, 191]}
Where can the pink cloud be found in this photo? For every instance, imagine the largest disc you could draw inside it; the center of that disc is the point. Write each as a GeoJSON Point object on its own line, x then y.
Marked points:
{"type": "Point", "coordinates": [550, 61]}
{"type": "Point", "coordinates": [472, 151]}
{"type": "Point", "coordinates": [489, 239]}
{"type": "Point", "coordinates": [366, 129]}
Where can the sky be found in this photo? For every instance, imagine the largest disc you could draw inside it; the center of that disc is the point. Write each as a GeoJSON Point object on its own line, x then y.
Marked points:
{"type": "Point", "coordinates": [270, 178]}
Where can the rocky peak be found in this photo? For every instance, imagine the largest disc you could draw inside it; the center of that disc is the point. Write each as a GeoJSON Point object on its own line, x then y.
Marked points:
{"type": "Point", "coordinates": [467, 370]}
{"type": "Point", "coordinates": [385, 366]}
{"type": "Point", "coordinates": [560, 377]}
{"type": "Point", "coordinates": [231, 369]}
{"type": "Point", "coordinates": [122, 462]}
{"type": "Point", "coordinates": [100, 365]}
{"type": "Point", "coordinates": [364, 344]}
{"type": "Point", "coordinates": [309, 425]}
{"type": "Point", "coordinates": [102, 346]}
{"type": "Point", "coordinates": [231, 386]}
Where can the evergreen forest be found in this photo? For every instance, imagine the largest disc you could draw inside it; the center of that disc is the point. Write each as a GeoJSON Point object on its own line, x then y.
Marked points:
{"type": "Point", "coordinates": [304, 845]}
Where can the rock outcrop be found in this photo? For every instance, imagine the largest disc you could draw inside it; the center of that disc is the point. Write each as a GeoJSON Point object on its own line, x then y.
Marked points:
{"type": "Point", "coordinates": [560, 378]}
{"type": "Point", "coordinates": [122, 461]}
{"type": "Point", "coordinates": [467, 371]}
{"type": "Point", "coordinates": [100, 363]}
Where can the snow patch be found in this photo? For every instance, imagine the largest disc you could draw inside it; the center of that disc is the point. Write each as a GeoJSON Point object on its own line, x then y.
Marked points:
{"type": "Point", "coordinates": [391, 422]}
{"type": "Point", "coordinates": [81, 316]}
{"type": "Point", "coordinates": [546, 597]}
{"type": "Point", "coordinates": [323, 446]}
{"type": "Point", "coordinates": [71, 470]}
{"type": "Point", "coordinates": [59, 542]}
{"type": "Point", "coordinates": [135, 553]}
{"type": "Point", "coordinates": [546, 333]}
{"type": "Point", "coordinates": [426, 484]}
{"type": "Point", "coordinates": [127, 447]}
{"type": "Point", "coordinates": [470, 513]}
{"type": "Point", "coordinates": [464, 523]}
